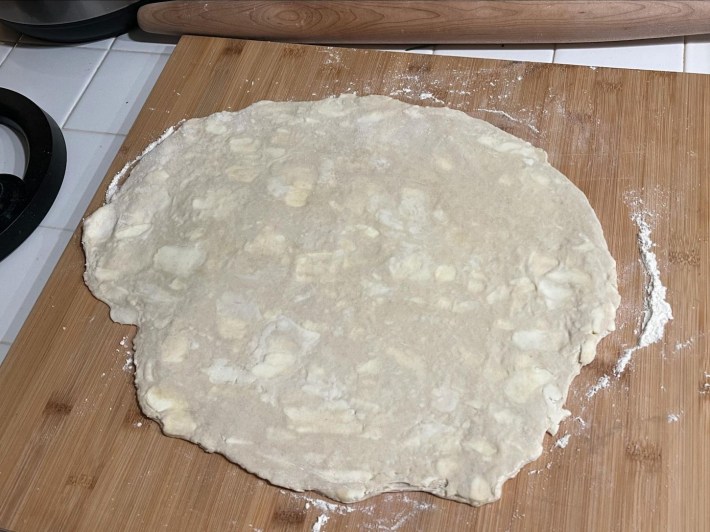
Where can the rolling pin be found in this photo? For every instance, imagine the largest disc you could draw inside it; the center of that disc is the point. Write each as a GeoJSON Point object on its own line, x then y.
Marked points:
{"type": "Point", "coordinates": [429, 22]}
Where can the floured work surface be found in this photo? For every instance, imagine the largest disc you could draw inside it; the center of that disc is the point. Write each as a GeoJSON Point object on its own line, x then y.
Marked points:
{"type": "Point", "coordinates": [335, 305]}
{"type": "Point", "coordinates": [78, 455]}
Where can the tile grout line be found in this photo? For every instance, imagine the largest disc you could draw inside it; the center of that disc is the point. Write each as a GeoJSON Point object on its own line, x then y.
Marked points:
{"type": "Point", "coordinates": [30, 298]}
{"type": "Point", "coordinates": [110, 49]}
{"type": "Point", "coordinates": [86, 85]}
{"type": "Point", "coordinates": [554, 53]}
{"type": "Point", "coordinates": [52, 228]}
{"type": "Point", "coordinates": [64, 130]}
{"type": "Point", "coordinates": [143, 52]}
{"type": "Point", "coordinates": [55, 228]}
{"type": "Point", "coordinates": [14, 45]}
{"type": "Point", "coordinates": [93, 131]}
{"type": "Point", "coordinates": [685, 53]}
{"type": "Point", "coordinates": [78, 130]}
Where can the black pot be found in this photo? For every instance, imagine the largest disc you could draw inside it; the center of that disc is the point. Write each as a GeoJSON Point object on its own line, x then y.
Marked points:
{"type": "Point", "coordinates": [70, 20]}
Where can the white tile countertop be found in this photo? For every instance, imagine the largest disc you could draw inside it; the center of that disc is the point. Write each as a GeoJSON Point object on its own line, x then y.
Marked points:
{"type": "Point", "coordinates": [94, 92]}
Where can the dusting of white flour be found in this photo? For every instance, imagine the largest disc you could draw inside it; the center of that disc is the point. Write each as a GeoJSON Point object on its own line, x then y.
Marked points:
{"type": "Point", "coordinates": [318, 525]}
{"type": "Point", "coordinates": [324, 506]}
{"type": "Point", "coordinates": [683, 345]}
{"type": "Point", "coordinates": [657, 311]}
{"type": "Point", "coordinates": [705, 387]}
{"type": "Point", "coordinates": [430, 96]}
{"type": "Point", "coordinates": [603, 382]}
{"type": "Point", "coordinates": [128, 366]}
{"type": "Point", "coordinates": [392, 522]}
{"type": "Point", "coordinates": [510, 117]}
{"type": "Point", "coordinates": [563, 441]}
{"type": "Point", "coordinates": [113, 186]}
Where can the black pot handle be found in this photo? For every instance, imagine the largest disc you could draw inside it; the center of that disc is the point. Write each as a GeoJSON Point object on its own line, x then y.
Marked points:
{"type": "Point", "coordinates": [25, 201]}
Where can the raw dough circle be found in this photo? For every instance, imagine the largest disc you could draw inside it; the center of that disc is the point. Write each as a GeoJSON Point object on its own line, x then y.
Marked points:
{"type": "Point", "coordinates": [355, 295]}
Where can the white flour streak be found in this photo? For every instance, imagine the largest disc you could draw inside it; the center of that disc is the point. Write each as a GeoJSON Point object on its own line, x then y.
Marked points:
{"type": "Point", "coordinates": [430, 96]}
{"type": "Point", "coordinates": [705, 388]}
{"type": "Point", "coordinates": [393, 521]}
{"type": "Point", "coordinates": [602, 383]}
{"type": "Point", "coordinates": [563, 441]}
{"type": "Point", "coordinates": [657, 311]}
{"type": "Point", "coordinates": [323, 506]}
{"type": "Point", "coordinates": [328, 507]}
{"type": "Point", "coordinates": [624, 360]}
{"type": "Point", "coordinates": [128, 367]}
{"type": "Point", "coordinates": [672, 418]}
{"type": "Point", "coordinates": [682, 345]}
{"type": "Point", "coordinates": [318, 525]}
{"type": "Point", "coordinates": [113, 186]}
{"type": "Point", "coordinates": [509, 117]}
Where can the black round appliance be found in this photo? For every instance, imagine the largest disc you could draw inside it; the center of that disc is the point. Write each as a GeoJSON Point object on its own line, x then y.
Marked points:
{"type": "Point", "coordinates": [70, 20]}
{"type": "Point", "coordinates": [24, 201]}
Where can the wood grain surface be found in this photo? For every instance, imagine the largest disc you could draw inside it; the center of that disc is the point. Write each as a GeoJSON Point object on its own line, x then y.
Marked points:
{"type": "Point", "coordinates": [76, 454]}
{"type": "Point", "coordinates": [429, 22]}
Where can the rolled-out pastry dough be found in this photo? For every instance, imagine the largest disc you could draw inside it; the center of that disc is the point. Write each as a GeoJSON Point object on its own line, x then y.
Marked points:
{"type": "Point", "coordinates": [355, 295]}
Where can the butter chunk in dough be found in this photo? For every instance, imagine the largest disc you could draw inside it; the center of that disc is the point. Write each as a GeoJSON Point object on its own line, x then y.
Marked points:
{"type": "Point", "coordinates": [355, 295]}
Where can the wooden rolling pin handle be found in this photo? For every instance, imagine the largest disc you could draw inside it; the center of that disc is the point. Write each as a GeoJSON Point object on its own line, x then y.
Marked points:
{"type": "Point", "coordinates": [429, 22]}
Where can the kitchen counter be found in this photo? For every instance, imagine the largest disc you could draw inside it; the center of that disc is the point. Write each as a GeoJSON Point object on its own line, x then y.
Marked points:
{"type": "Point", "coordinates": [94, 91]}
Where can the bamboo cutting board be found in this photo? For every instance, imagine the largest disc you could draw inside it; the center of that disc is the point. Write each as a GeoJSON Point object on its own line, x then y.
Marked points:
{"type": "Point", "coordinates": [76, 453]}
